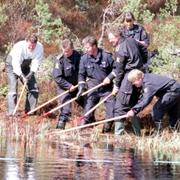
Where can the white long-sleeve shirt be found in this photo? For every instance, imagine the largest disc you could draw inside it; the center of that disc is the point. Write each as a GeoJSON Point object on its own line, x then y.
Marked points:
{"type": "Point", "coordinates": [21, 52]}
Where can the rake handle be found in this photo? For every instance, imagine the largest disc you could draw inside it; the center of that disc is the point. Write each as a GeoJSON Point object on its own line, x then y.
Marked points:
{"type": "Point", "coordinates": [20, 97]}
{"type": "Point", "coordinates": [73, 99]}
{"type": "Point", "coordinates": [89, 125]}
{"type": "Point", "coordinates": [49, 101]}
{"type": "Point", "coordinates": [98, 104]}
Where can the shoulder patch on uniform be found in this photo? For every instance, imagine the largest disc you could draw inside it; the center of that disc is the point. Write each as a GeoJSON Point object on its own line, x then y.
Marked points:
{"type": "Point", "coordinates": [145, 90]}
{"type": "Point", "coordinates": [118, 59]}
{"type": "Point", "coordinates": [57, 65]}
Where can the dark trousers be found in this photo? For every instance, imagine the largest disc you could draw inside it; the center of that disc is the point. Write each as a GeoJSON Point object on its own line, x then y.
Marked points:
{"type": "Point", "coordinates": [124, 102]}
{"type": "Point", "coordinates": [32, 90]}
{"type": "Point", "coordinates": [65, 112]}
{"type": "Point", "coordinates": [93, 99]}
{"type": "Point", "coordinates": [168, 103]}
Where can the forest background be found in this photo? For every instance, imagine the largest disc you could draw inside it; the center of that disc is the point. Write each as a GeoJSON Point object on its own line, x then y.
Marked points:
{"type": "Point", "coordinates": [57, 19]}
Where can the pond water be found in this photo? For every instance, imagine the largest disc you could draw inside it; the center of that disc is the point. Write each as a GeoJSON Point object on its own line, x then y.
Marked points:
{"type": "Point", "coordinates": [45, 160]}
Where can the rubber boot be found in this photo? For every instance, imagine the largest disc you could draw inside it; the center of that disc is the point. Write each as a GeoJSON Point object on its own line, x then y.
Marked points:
{"type": "Point", "coordinates": [61, 122]}
{"type": "Point", "coordinates": [107, 127]}
{"type": "Point", "coordinates": [119, 127]}
{"type": "Point", "coordinates": [158, 129]}
{"type": "Point", "coordinates": [61, 125]}
{"type": "Point", "coordinates": [175, 127]}
{"type": "Point", "coordinates": [136, 125]}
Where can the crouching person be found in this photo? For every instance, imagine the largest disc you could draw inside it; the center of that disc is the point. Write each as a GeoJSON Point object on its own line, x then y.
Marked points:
{"type": "Point", "coordinates": [168, 92]}
{"type": "Point", "coordinates": [22, 63]}
{"type": "Point", "coordinates": [65, 74]}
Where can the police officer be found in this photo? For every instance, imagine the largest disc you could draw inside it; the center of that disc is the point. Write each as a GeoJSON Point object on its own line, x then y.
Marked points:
{"type": "Point", "coordinates": [96, 65]}
{"type": "Point", "coordinates": [134, 30]}
{"type": "Point", "coordinates": [65, 74]}
{"type": "Point", "coordinates": [137, 31]}
{"type": "Point", "coordinates": [22, 63]}
{"type": "Point", "coordinates": [127, 57]}
{"type": "Point", "coordinates": [168, 92]}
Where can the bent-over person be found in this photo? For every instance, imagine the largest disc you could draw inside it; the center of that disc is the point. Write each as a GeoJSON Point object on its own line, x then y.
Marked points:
{"type": "Point", "coordinates": [127, 57]}
{"type": "Point", "coordinates": [166, 89]}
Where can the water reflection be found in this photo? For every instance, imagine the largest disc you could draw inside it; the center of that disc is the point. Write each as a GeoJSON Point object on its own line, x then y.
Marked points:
{"type": "Point", "coordinates": [44, 161]}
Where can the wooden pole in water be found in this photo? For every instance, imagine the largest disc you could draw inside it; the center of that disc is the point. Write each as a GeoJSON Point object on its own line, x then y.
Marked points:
{"type": "Point", "coordinates": [20, 97]}
{"type": "Point", "coordinates": [44, 104]}
{"type": "Point", "coordinates": [73, 99]}
{"type": "Point", "coordinates": [88, 125]}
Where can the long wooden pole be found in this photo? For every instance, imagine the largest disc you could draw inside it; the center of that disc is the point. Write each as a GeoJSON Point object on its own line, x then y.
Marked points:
{"type": "Point", "coordinates": [73, 99]}
{"type": "Point", "coordinates": [20, 97]}
{"type": "Point", "coordinates": [88, 125]}
{"type": "Point", "coordinates": [44, 104]}
{"type": "Point", "coordinates": [98, 104]}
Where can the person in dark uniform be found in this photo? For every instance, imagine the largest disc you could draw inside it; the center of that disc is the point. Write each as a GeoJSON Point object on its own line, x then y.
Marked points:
{"type": "Point", "coordinates": [166, 89]}
{"type": "Point", "coordinates": [137, 31]}
{"type": "Point", "coordinates": [65, 74]}
{"type": "Point", "coordinates": [127, 57]}
{"type": "Point", "coordinates": [96, 65]}
{"type": "Point", "coordinates": [134, 30]}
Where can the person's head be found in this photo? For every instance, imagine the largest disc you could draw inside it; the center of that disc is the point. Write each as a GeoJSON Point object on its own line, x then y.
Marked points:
{"type": "Point", "coordinates": [114, 35]}
{"type": "Point", "coordinates": [136, 77]}
{"type": "Point", "coordinates": [128, 19]}
{"type": "Point", "coordinates": [90, 45]}
{"type": "Point", "coordinates": [31, 40]}
{"type": "Point", "coordinates": [67, 47]}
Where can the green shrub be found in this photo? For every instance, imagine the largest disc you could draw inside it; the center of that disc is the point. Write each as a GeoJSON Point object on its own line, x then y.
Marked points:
{"type": "Point", "coordinates": [167, 62]}
{"type": "Point", "coordinates": [49, 28]}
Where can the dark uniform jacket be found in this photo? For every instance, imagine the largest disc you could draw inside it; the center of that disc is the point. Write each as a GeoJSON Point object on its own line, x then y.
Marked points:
{"type": "Point", "coordinates": [128, 57]}
{"type": "Point", "coordinates": [65, 71]}
{"type": "Point", "coordinates": [155, 85]}
{"type": "Point", "coordinates": [96, 69]}
{"type": "Point", "coordinates": [138, 33]}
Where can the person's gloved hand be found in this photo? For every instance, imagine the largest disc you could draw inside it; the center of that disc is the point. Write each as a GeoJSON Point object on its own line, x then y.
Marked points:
{"type": "Point", "coordinates": [22, 78]}
{"type": "Point", "coordinates": [72, 88]}
{"type": "Point", "coordinates": [29, 75]}
{"type": "Point", "coordinates": [130, 113]}
{"type": "Point", "coordinates": [115, 90]}
{"type": "Point", "coordinates": [106, 81]}
{"type": "Point", "coordinates": [81, 89]}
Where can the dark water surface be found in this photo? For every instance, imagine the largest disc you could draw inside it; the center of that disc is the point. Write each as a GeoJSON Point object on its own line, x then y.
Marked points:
{"type": "Point", "coordinates": [44, 161]}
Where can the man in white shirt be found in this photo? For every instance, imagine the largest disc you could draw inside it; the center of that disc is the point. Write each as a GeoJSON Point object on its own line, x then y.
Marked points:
{"type": "Point", "coordinates": [22, 63]}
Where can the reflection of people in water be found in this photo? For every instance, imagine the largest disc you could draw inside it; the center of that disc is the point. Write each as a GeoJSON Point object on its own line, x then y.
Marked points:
{"type": "Point", "coordinates": [83, 163]}
{"type": "Point", "coordinates": [126, 165]}
{"type": "Point", "coordinates": [84, 154]}
{"type": "Point", "coordinates": [107, 165]}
